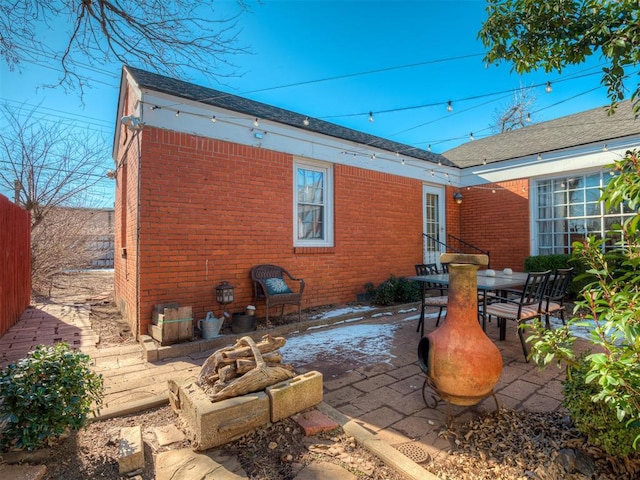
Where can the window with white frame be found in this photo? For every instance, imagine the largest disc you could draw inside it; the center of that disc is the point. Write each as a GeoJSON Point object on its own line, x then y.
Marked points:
{"type": "Point", "coordinates": [313, 204]}
{"type": "Point", "coordinates": [568, 210]}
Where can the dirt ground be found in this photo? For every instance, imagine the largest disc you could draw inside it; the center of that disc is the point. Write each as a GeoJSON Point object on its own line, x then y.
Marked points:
{"type": "Point", "coordinates": [504, 445]}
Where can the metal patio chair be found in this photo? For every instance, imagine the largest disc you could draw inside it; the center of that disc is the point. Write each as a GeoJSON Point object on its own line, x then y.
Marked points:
{"type": "Point", "coordinates": [527, 307]}
{"type": "Point", "coordinates": [433, 294]}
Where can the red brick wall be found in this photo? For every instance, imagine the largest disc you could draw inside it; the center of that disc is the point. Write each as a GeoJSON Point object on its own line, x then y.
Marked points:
{"type": "Point", "coordinates": [125, 225]}
{"type": "Point", "coordinates": [498, 222]}
{"type": "Point", "coordinates": [210, 210]}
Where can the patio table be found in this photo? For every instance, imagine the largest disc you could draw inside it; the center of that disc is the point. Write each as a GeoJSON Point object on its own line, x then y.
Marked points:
{"type": "Point", "coordinates": [498, 282]}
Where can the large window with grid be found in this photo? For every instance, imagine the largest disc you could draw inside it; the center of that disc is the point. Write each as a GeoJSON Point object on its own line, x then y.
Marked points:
{"type": "Point", "coordinates": [568, 210]}
{"type": "Point", "coordinates": [313, 205]}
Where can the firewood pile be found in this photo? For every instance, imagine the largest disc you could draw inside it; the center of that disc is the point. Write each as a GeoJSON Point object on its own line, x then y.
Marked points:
{"type": "Point", "coordinates": [243, 368]}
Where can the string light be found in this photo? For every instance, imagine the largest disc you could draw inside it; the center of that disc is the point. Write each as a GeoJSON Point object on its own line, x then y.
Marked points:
{"type": "Point", "coordinates": [432, 172]}
{"type": "Point", "coordinates": [484, 161]}
{"type": "Point", "coordinates": [213, 119]}
{"type": "Point", "coordinates": [471, 137]}
{"type": "Point", "coordinates": [449, 106]}
{"type": "Point", "coordinates": [371, 116]}
{"type": "Point", "coordinates": [548, 88]}
{"type": "Point", "coordinates": [429, 148]}
{"type": "Point", "coordinates": [155, 107]}
{"type": "Point", "coordinates": [373, 156]}
{"type": "Point", "coordinates": [256, 123]}
{"type": "Point", "coordinates": [402, 161]}
{"type": "Point", "coordinates": [306, 121]}
{"type": "Point", "coordinates": [539, 156]}
{"type": "Point", "coordinates": [528, 118]}
{"type": "Point", "coordinates": [605, 148]}
{"type": "Point", "coordinates": [177, 113]}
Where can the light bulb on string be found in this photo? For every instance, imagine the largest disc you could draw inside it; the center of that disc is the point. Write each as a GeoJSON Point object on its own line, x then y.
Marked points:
{"type": "Point", "coordinates": [449, 106]}
{"type": "Point", "coordinates": [429, 148]}
{"type": "Point", "coordinates": [256, 123]}
{"type": "Point", "coordinates": [528, 118]}
{"type": "Point", "coordinates": [371, 116]}
{"type": "Point", "coordinates": [484, 161]}
{"type": "Point", "coordinates": [605, 148]}
{"type": "Point", "coordinates": [373, 156]}
{"type": "Point", "coordinates": [402, 161]}
{"type": "Point", "coordinates": [432, 172]}
{"type": "Point", "coordinates": [539, 156]}
{"type": "Point", "coordinates": [306, 121]}
{"type": "Point", "coordinates": [471, 137]}
{"type": "Point", "coordinates": [548, 88]}
{"type": "Point", "coordinates": [177, 113]}
{"type": "Point", "coordinates": [213, 119]}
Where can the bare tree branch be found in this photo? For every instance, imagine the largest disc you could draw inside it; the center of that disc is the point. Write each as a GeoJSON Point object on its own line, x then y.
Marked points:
{"type": "Point", "coordinates": [166, 37]}
{"type": "Point", "coordinates": [517, 113]}
{"type": "Point", "coordinates": [55, 164]}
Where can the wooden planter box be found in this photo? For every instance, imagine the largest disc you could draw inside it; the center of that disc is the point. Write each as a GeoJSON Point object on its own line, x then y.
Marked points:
{"type": "Point", "coordinates": [173, 325]}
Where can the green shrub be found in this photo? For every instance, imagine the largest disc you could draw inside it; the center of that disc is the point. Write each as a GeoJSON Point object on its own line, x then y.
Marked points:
{"type": "Point", "coordinates": [541, 263]}
{"type": "Point", "coordinates": [596, 420]}
{"type": "Point", "coordinates": [393, 290]}
{"type": "Point", "coordinates": [45, 394]}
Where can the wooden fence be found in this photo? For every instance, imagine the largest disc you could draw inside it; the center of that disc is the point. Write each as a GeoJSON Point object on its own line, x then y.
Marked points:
{"type": "Point", "coordinates": [15, 263]}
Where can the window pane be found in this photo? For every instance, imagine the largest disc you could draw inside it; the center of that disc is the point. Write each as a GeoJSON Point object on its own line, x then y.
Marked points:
{"type": "Point", "coordinates": [569, 209]}
{"type": "Point", "coordinates": [310, 222]}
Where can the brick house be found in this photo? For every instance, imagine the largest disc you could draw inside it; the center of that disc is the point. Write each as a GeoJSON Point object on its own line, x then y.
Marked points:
{"type": "Point", "coordinates": [210, 184]}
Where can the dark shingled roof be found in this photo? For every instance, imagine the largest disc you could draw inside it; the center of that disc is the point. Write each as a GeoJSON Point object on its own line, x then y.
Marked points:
{"type": "Point", "coordinates": [216, 98]}
{"type": "Point", "coordinates": [583, 128]}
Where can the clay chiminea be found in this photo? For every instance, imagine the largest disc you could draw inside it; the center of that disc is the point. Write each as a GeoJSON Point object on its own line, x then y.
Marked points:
{"type": "Point", "coordinates": [462, 363]}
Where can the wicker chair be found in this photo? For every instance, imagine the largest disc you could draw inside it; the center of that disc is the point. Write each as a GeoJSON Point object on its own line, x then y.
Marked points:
{"type": "Point", "coordinates": [269, 284]}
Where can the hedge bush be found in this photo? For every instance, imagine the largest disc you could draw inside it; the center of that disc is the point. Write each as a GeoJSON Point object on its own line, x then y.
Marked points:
{"type": "Point", "coordinates": [596, 420]}
{"type": "Point", "coordinates": [541, 263]}
{"type": "Point", "coordinates": [393, 290]}
{"type": "Point", "coordinates": [42, 396]}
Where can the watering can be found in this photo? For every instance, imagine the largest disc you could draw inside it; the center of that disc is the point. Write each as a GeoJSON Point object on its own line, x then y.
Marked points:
{"type": "Point", "coordinates": [210, 326]}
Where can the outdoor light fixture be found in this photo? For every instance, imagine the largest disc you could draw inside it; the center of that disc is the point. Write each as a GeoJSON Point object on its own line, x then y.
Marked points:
{"type": "Point", "coordinates": [224, 293]}
{"type": "Point", "coordinates": [306, 121]}
{"type": "Point", "coordinates": [449, 106]}
{"type": "Point", "coordinates": [132, 122]}
{"type": "Point", "coordinates": [457, 196]}
{"type": "Point", "coordinates": [548, 88]}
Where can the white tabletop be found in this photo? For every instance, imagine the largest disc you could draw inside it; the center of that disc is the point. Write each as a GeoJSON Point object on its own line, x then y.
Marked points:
{"type": "Point", "coordinates": [499, 281]}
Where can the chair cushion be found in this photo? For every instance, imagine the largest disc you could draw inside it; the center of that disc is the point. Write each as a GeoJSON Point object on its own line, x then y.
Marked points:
{"type": "Point", "coordinates": [554, 307]}
{"type": "Point", "coordinates": [510, 311]}
{"type": "Point", "coordinates": [276, 286]}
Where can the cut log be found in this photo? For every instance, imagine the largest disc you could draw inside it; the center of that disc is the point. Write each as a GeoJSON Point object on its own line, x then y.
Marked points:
{"type": "Point", "coordinates": [256, 379]}
{"type": "Point", "coordinates": [247, 367]}
{"type": "Point", "coordinates": [229, 354]}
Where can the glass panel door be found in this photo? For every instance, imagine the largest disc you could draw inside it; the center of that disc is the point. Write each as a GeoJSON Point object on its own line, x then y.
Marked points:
{"type": "Point", "coordinates": [434, 238]}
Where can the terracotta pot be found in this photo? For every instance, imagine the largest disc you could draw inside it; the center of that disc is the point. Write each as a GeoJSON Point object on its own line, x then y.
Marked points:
{"type": "Point", "coordinates": [462, 362]}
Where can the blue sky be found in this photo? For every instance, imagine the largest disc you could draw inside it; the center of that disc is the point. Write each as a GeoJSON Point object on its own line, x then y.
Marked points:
{"type": "Point", "coordinates": [339, 60]}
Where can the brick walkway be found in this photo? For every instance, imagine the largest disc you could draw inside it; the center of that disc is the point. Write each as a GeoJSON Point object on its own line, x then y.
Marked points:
{"type": "Point", "coordinates": [381, 393]}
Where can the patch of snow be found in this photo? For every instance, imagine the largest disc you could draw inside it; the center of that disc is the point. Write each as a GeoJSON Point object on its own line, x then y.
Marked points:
{"type": "Point", "coordinates": [352, 345]}
{"type": "Point", "coordinates": [407, 310]}
{"type": "Point", "coordinates": [341, 311]}
{"type": "Point", "coordinates": [376, 315]}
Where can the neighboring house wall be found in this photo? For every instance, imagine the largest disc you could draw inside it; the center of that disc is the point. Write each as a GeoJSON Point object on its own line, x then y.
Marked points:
{"type": "Point", "coordinates": [15, 255]}
{"type": "Point", "coordinates": [212, 209]}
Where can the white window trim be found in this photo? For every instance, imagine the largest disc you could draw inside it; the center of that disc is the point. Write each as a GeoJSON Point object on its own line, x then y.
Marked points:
{"type": "Point", "coordinates": [533, 202]}
{"type": "Point", "coordinates": [327, 170]}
